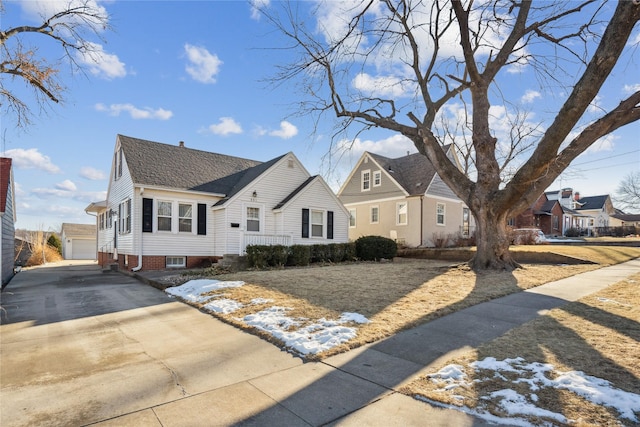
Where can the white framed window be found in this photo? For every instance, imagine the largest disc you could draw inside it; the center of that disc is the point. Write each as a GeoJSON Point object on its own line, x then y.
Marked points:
{"type": "Point", "coordinates": [440, 212]}
{"type": "Point", "coordinates": [401, 213]}
{"type": "Point", "coordinates": [253, 219]}
{"type": "Point", "coordinates": [185, 217]}
{"type": "Point", "coordinates": [377, 178]}
{"type": "Point", "coordinates": [352, 218]}
{"type": "Point", "coordinates": [176, 262]}
{"type": "Point", "coordinates": [366, 180]}
{"type": "Point", "coordinates": [164, 216]}
{"type": "Point", "coordinates": [124, 211]}
{"type": "Point", "coordinates": [375, 215]}
{"type": "Point", "coordinates": [317, 223]}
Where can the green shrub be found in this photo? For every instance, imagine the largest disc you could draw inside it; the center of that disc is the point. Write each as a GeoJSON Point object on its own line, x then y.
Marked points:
{"type": "Point", "coordinates": [258, 256]}
{"type": "Point", "coordinates": [278, 255]}
{"type": "Point", "coordinates": [55, 242]}
{"type": "Point", "coordinates": [350, 253]}
{"type": "Point", "coordinates": [299, 255]}
{"type": "Point", "coordinates": [320, 253]}
{"type": "Point", "coordinates": [572, 232]}
{"type": "Point", "coordinates": [373, 248]}
{"type": "Point", "coordinates": [336, 252]}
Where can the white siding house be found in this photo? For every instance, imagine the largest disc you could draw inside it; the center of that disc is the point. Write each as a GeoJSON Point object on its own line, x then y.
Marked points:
{"type": "Point", "coordinates": [172, 206]}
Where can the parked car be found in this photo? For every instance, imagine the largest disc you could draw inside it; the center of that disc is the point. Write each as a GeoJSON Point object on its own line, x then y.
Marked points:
{"type": "Point", "coordinates": [528, 236]}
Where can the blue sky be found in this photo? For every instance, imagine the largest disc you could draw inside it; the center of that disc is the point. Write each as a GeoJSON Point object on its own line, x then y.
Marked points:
{"type": "Point", "coordinates": [196, 71]}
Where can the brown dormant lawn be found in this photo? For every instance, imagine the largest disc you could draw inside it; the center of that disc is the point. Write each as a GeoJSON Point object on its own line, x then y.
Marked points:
{"type": "Point", "coordinates": [394, 295]}
{"type": "Point", "coordinates": [597, 336]}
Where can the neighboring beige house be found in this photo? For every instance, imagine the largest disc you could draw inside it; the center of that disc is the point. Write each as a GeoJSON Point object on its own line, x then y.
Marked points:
{"type": "Point", "coordinates": [79, 241]}
{"type": "Point", "coordinates": [169, 206]}
{"type": "Point", "coordinates": [403, 199]}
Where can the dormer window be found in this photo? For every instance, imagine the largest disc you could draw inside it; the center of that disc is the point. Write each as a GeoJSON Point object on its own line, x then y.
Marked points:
{"type": "Point", "coordinates": [117, 164]}
{"type": "Point", "coordinates": [366, 180]}
{"type": "Point", "coordinates": [377, 178]}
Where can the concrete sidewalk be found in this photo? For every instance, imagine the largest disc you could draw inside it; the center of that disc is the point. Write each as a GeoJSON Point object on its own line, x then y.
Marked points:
{"type": "Point", "coordinates": [359, 387]}
{"type": "Point", "coordinates": [186, 368]}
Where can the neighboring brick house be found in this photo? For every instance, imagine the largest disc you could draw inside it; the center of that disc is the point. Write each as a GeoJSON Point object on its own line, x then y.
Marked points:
{"type": "Point", "coordinates": [544, 214]}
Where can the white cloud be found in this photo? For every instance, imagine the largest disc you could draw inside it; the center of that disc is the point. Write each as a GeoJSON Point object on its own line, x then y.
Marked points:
{"type": "Point", "coordinates": [530, 96]}
{"type": "Point", "coordinates": [629, 89]}
{"type": "Point", "coordinates": [393, 147]}
{"type": "Point", "coordinates": [100, 63]}
{"type": "Point", "coordinates": [286, 131]}
{"type": "Point", "coordinates": [606, 143]}
{"type": "Point", "coordinates": [37, 9]}
{"type": "Point", "coordinates": [203, 66]}
{"type": "Point", "coordinates": [256, 5]}
{"type": "Point", "coordinates": [595, 105]}
{"type": "Point", "coordinates": [31, 159]}
{"type": "Point", "coordinates": [135, 112]}
{"type": "Point", "coordinates": [226, 127]}
{"type": "Point", "coordinates": [384, 86]}
{"type": "Point", "coordinates": [92, 174]}
{"type": "Point", "coordinates": [61, 192]}
{"type": "Point", "coordinates": [66, 185]}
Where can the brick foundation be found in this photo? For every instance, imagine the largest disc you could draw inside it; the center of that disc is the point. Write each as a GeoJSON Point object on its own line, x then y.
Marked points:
{"type": "Point", "coordinates": [149, 262]}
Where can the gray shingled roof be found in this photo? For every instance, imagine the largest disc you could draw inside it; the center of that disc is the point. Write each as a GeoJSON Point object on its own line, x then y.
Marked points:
{"type": "Point", "coordinates": [592, 202]}
{"type": "Point", "coordinates": [163, 165]}
{"type": "Point", "coordinates": [413, 172]}
{"type": "Point", "coordinates": [238, 180]}
{"type": "Point", "coordinates": [546, 207]}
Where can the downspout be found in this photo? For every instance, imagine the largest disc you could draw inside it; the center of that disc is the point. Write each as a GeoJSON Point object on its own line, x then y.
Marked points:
{"type": "Point", "coordinates": [139, 266]}
{"type": "Point", "coordinates": [421, 218]}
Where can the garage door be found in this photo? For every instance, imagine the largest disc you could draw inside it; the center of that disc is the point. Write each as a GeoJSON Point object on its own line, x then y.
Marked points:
{"type": "Point", "coordinates": [83, 249]}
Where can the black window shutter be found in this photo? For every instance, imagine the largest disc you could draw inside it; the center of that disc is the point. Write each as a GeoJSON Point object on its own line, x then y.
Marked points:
{"type": "Point", "coordinates": [305, 223]}
{"type": "Point", "coordinates": [147, 215]}
{"type": "Point", "coordinates": [202, 219]}
{"type": "Point", "coordinates": [329, 224]}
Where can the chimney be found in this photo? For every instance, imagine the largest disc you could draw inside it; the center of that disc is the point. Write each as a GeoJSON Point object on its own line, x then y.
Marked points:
{"type": "Point", "coordinates": [576, 196]}
{"type": "Point", "coordinates": [181, 144]}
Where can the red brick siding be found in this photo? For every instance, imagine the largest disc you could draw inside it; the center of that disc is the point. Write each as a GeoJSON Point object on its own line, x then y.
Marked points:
{"type": "Point", "coordinates": [151, 262]}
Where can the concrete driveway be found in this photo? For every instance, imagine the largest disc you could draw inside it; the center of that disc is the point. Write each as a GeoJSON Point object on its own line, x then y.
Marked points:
{"type": "Point", "coordinates": [80, 346]}
{"type": "Point", "coordinates": [83, 347]}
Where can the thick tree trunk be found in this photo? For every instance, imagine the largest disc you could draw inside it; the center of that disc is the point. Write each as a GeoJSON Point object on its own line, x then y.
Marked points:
{"type": "Point", "coordinates": [492, 241]}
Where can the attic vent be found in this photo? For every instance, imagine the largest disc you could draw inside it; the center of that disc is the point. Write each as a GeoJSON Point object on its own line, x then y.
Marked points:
{"type": "Point", "coordinates": [366, 160]}
{"type": "Point", "coordinates": [290, 164]}
{"type": "Point", "coordinates": [418, 184]}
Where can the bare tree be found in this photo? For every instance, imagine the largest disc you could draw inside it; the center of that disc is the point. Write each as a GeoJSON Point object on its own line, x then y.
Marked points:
{"type": "Point", "coordinates": [69, 27]}
{"type": "Point", "coordinates": [450, 55]}
{"type": "Point", "coordinates": [628, 192]}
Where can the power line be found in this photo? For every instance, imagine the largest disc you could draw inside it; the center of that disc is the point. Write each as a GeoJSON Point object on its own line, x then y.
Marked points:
{"type": "Point", "coordinates": [607, 158]}
{"type": "Point", "coordinates": [607, 167]}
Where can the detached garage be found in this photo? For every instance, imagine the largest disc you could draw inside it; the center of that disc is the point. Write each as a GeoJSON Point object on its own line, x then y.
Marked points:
{"type": "Point", "coordinates": [79, 241]}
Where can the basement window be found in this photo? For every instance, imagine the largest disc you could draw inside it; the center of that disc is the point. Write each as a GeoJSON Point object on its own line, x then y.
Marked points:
{"type": "Point", "coordinates": [176, 262]}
